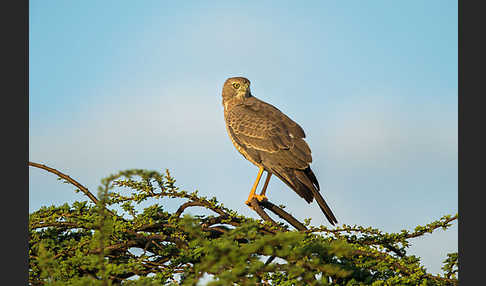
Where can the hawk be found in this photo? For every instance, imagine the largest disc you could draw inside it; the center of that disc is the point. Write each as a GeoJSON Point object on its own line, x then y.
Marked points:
{"type": "Point", "coordinates": [272, 141]}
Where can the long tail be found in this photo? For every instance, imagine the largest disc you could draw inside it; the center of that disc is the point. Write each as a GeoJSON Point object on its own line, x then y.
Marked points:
{"type": "Point", "coordinates": [305, 184]}
{"type": "Point", "coordinates": [308, 178]}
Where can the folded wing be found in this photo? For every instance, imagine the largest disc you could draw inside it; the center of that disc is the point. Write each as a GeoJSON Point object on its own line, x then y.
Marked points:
{"type": "Point", "coordinates": [272, 139]}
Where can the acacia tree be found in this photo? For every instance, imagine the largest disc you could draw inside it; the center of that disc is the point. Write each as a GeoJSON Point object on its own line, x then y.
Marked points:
{"type": "Point", "coordinates": [111, 240]}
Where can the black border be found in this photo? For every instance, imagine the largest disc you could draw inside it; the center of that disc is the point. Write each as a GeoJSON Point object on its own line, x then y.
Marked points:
{"type": "Point", "coordinates": [15, 119]}
{"type": "Point", "coordinates": [15, 132]}
{"type": "Point", "coordinates": [471, 122]}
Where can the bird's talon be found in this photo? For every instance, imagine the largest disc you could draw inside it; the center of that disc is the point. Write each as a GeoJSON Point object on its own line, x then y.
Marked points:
{"type": "Point", "coordinates": [259, 198]}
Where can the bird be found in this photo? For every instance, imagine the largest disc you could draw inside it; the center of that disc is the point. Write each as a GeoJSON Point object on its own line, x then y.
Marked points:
{"type": "Point", "coordinates": [272, 141]}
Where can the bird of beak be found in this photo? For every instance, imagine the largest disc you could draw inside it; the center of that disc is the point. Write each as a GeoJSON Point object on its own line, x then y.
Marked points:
{"type": "Point", "coordinates": [244, 91]}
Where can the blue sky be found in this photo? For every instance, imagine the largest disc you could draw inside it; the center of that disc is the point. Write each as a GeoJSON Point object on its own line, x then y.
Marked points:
{"type": "Point", "coordinates": [114, 85]}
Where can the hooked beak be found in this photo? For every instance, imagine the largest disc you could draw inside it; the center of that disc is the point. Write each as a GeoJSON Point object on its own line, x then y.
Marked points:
{"type": "Point", "coordinates": [244, 92]}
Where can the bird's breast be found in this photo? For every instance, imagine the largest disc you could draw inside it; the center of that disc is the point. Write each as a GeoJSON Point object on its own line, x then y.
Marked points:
{"type": "Point", "coordinates": [241, 149]}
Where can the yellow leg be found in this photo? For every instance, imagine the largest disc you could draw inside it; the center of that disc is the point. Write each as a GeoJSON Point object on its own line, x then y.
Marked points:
{"type": "Point", "coordinates": [262, 194]}
{"type": "Point", "coordinates": [255, 185]}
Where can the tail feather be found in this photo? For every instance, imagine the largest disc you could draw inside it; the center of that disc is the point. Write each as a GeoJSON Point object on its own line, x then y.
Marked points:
{"type": "Point", "coordinates": [290, 180]}
{"type": "Point", "coordinates": [309, 180]}
{"type": "Point", "coordinates": [320, 200]}
{"type": "Point", "coordinates": [312, 177]}
{"type": "Point", "coordinates": [324, 207]}
{"type": "Point", "coordinates": [305, 184]}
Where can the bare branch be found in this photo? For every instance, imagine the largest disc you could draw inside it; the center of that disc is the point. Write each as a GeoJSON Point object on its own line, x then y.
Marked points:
{"type": "Point", "coordinates": [67, 178]}
{"type": "Point", "coordinates": [284, 215]}
{"type": "Point", "coordinates": [197, 204]}
{"type": "Point", "coordinates": [258, 207]}
{"type": "Point", "coordinates": [70, 180]}
{"type": "Point", "coordinates": [254, 204]}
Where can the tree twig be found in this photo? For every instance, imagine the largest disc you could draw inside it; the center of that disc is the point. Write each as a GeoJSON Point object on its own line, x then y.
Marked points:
{"type": "Point", "coordinates": [269, 260]}
{"type": "Point", "coordinates": [67, 178]}
{"type": "Point", "coordinates": [256, 207]}
{"type": "Point", "coordinates": [196, 204]}
{"type": "Point", "coordinates": [70, 180]}
{"type": "Point", "coordinates": [284, 215]}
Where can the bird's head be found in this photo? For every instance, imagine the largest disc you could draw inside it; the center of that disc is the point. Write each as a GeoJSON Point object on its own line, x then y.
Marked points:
{"type": "Point", "coordinates": [236, 90]}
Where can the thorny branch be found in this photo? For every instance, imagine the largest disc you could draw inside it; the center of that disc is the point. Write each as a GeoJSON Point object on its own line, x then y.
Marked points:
{"type": "Point", "coordinates": [151, 236]}
{"type": "Point", "coordinates": [259, 207]}
{"type": "Point", "coordinates": [67, 178]}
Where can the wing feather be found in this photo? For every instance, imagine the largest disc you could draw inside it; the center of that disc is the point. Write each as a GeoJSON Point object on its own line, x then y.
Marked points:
{"type": "Point", "coordinates": [269, 138]}
{"type": "Point", "coordinates": [301, 150]}
{"type": "Point", "coordinates": [277, 139]}
{"type": "Point", "coordinates": [275, 115]}
{"type": "Point", "coordinates": [256, 130]}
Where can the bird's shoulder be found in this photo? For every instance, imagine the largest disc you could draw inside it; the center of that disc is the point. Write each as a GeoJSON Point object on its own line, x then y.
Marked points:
{"type": "Point", "coordinates": [265, 116]}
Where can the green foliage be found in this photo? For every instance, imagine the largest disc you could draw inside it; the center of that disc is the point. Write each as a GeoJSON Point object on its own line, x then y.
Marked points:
{"type": "Point", "coordinates": [116, 242]}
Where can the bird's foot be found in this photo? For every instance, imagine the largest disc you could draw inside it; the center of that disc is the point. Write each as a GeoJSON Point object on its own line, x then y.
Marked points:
{"type": "Point", "coordinates": [260, 198]}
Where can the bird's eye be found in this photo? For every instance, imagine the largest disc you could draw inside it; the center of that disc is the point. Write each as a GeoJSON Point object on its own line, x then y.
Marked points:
{"type": "Point", "coordinates": [236, 85]}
